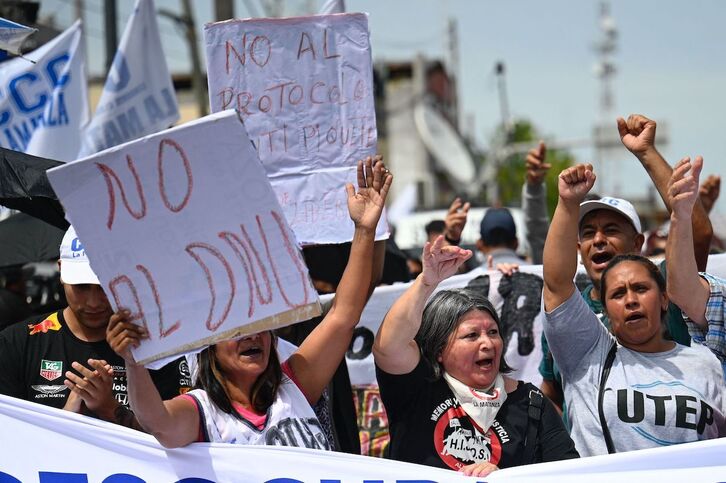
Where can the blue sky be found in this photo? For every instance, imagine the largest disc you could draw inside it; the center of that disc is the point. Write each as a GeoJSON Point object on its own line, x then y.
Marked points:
{"type": "Point", "coordinates": [670, 63]}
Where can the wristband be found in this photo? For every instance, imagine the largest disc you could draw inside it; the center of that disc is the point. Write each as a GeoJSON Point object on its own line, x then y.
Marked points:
{"type": "Point", "coordinates": [452, 242]}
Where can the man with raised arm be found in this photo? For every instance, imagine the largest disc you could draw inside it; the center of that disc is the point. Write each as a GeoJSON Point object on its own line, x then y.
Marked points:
{"type": "Point", "coordinates": [700, 296]}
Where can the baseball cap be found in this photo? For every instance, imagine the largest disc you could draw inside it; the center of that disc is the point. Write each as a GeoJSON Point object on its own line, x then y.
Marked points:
{"type": "Point", "coordinates": [617, 205]}
{"type": "Point", "coordinates": [75, 267]}
{"type": "Point", "coordinates": [497, 220]}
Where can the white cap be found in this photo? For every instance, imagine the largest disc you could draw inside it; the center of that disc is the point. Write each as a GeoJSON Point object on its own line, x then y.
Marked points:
{"type": "Point", "coordinates": [617, 205]}
{"type": "Point", "coordinates": [74, 265]}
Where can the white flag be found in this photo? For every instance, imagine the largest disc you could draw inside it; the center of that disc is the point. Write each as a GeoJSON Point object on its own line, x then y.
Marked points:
{"type": "Point", "coordinates": [138, 97]}
{"type": "Point", "coordinates": [13, 34]}
{"type": "Point", "coordinates": [43, 106]}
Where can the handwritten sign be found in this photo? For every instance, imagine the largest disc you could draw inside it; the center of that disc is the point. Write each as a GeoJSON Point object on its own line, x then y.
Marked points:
{"type": "Point", "coordinates": [183, 229]}
{"type": "Point", "coordinates": [304, 89]}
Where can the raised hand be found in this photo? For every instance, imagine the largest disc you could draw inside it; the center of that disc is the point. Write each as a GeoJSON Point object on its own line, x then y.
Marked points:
{"type": "Point", "coordinates": [456, 220]}
{"type": "Point", "coordinates": [575, 182]}
{"type": "Point", "coordinates": [637, 133]}
{"type": "Point", "coordinates": [536, 167]}
{"type": "Point", "coordinates": [506, 269]}
{"type": "Point", "coordinates": [479, 469]}
{"type": "Point", "coordinates": [365, 205]}
{"type": "Point", "coordinates": [709, 191]}
{"type": "Point", "coordinates": [122, 335]}
{"type": "Point", "coordinates": [683, 187]}
{"type": "Point", "coordinates": [440, 261]}
{"type": "Point", "coordinates": [93, 387]}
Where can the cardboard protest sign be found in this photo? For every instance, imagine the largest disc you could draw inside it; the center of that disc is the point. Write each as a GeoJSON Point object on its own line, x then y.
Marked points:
{"type": "Point", "coordinates": [304, 89]}
{"type": "Point", "coordinates": [183, 229]}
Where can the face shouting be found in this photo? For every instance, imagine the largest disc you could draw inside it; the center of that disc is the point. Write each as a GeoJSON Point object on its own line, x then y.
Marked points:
{"type": "Point", "coordinates": [474, 350]}
{"type": "Point", "coordinates": [635, 307]}
{"type": "Point", "coordinates": [245, 358]}
{"type": "Point", "coordinates": [603, 235]}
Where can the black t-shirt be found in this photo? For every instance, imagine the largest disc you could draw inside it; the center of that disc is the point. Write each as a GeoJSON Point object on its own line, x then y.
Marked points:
{"type": "Point", "coordinates": [429, 427]}
{"type": "Point", "coordinates": [35, 355]}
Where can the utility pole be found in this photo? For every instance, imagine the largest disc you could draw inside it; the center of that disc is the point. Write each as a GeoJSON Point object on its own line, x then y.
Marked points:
{"type": "Point", "coordinates": [186, 22]}
{"type": "Point", "coordinates": [453, 48]}
{"type": "Point", "coordinates": [109, 7]}
{"type": "Point", "coordinates": [223, 10]}
{"type": "Point", "coordinates": [499, 147]}
{"type": "Point", "coordinates": [605, 71]}
{"type": "Point", "coordinates": [197, 77]}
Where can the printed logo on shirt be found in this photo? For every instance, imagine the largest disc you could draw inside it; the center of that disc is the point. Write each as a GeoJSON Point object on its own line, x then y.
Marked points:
{"type": "Point", "coordinates": [300, 432]}
{"type": "Point", "coordinates": [460, 442]}
{"type": "Point", "coordinates": [48, 388]}
{"type": "Point", "coordinates": [648, 407]}
{"type": "Point", "coordinates": [185, 376]}
{"type": "Point", "coordinates": [51, 323]}
{"type": "Point", "coordinates": [51, 370]}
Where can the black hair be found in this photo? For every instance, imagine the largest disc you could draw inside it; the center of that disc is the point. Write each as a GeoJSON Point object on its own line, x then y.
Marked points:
{"type": "Point", "coordinates": [435, 226]}
{"type": "Point", "coordinates": [211, 378]}
{"type": "Point", "coordinates": [652, 269]}
{"type": "Point", "coordinates": [441, 317]}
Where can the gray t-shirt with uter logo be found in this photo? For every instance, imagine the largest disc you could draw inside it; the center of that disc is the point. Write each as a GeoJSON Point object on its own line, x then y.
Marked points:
{"type": "Point", "coordinates": [650, 399]}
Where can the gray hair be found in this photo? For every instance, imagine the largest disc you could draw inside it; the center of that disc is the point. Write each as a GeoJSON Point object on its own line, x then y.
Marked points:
{"type": "Point", "coordinates": [441, 317]}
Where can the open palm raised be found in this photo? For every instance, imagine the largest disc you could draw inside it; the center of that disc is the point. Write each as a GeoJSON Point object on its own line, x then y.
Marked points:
{"type": "Point", "coordinates": [366, 204]}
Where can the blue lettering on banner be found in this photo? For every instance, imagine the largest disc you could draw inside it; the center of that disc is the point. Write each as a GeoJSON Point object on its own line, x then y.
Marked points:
{"type": "Point", "coordinates": [119, 75]}
{"type": "Point", "coordinates": [31, 99]}
{"type": "Point", "coordinates": [56, 477]}
{"type": "Point", "coordinates": [128, 125]}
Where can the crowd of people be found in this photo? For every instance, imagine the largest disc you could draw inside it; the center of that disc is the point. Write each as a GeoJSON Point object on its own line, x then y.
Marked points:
{"type": "Point", "coordinates": [637, 359]}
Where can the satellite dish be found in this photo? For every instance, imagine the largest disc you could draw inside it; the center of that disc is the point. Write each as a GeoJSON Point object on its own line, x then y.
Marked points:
{"type": "Point", "coordinates": [444, 143]}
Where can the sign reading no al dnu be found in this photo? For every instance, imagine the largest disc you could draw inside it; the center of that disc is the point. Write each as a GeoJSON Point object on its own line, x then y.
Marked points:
{"type": "Point", "coordinates": [183, 229]}
{"type": "Point", "coordinates": [304, 89]}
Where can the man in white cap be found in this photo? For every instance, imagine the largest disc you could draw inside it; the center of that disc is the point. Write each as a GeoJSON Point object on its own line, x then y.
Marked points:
{"type": "Point", "coordinates": [63, 359]}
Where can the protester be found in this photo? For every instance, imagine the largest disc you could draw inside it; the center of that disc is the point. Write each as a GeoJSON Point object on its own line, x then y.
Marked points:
{"type": "Point", "coordinates": [243, 395]}
{"type": "Point", "coordinates": [434, 229]}
{"type": "Point", "coordinates": [441, 369]}
{"type": "Point", "coordinates": [634, 388]}
{"type": "Point", "coordinates": [708, 194]}
{"type": "Point", "coordinates": [336, 410]}
{"type": "Point", "coordinates": [36, 356]}
{"type": "Point", "coordinates": [498, 242]}
{"type": "Point", "coordinates": [609, 227]}
{"type": "Point", "coordinates": [701, 298]}
{"type": "Point", "coordinates": [534, 201]}
{"type": "Point", "coordinates": [13, 305]}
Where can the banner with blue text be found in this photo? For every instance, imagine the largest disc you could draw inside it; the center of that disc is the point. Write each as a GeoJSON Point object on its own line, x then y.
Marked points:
{"type": "Point", "coordinates": [43, 106]}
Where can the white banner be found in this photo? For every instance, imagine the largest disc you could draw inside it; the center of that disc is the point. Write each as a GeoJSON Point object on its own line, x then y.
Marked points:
{"type": "Point", "coordinates": [43, 106]}
{"type": "Point", "coordinates": [138, 97]}
{"type": "Point", "coordinates": [304, 88]}
{"type": "Point", "coordinates": [183, 229]}
{"type": "Point", "coordinates": [47, 445]}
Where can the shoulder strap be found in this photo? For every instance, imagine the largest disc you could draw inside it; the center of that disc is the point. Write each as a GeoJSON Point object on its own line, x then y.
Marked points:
{"type": "Point", "coordinates": [534, 413]}
{"type": "Point", "coordinates": [601, 392]}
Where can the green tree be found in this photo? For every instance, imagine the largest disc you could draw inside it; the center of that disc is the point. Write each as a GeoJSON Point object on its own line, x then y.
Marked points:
{"type": "Point", "coordinates": [511, 173]}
